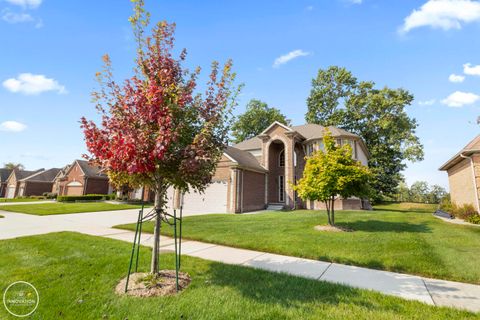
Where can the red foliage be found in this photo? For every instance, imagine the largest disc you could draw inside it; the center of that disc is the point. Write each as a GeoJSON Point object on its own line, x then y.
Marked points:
{"type": "Point", "coordinates": [153, 124]}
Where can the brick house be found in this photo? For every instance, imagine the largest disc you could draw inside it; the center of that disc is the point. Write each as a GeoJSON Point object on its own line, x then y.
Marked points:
{"type": "Point", "coordinates": [38, 183]}
{"type": "Point", "coordinates": [61, 176]}
{"type": "Point", "coordinates": [4, 174]}
{"type": "Point", "coordinates": [259, 172]}
{"type": "Point", "coordinates": [464, 174]}
{"type": "Point", "coordinates": [14, 179]}
{"type": "Point", "coordinates": [81, 178]}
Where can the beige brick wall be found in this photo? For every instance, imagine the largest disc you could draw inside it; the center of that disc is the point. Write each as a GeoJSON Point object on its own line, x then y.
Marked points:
{"type": "Point", "coordinates": [460, 179]}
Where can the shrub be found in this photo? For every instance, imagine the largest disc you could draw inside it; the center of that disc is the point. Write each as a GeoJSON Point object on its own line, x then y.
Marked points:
{"type": "Point", "coordinates": [50, 195]}
{"type": "Point", "coordinates": [466, 211]}
{"type": "Point", "coordinates": [475, 219]}
{"type": "Point", "coordinates": [88, 197]}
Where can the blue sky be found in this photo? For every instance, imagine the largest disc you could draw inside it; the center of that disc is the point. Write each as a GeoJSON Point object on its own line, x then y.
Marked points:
{"type": "Point", "coordinates": [52, 49]}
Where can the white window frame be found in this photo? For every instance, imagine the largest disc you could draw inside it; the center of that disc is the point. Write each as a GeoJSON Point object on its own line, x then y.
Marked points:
{"type": "Point", "coordinates": [282, 153]}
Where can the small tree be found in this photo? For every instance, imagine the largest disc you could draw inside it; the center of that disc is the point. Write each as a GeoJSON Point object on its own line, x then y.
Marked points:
{"type": "Point", "coordinates": [332, 173]}
{"type": "Point", "coordinates": [155, 130]}
{"type": "Point", "coordinates": [256, 118]}
{"type": "Point", "coordinates": [11, 166]}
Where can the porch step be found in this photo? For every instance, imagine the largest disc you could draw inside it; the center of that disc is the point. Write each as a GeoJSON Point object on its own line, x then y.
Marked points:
{"type": "Point", "coordinates": [275, 207]}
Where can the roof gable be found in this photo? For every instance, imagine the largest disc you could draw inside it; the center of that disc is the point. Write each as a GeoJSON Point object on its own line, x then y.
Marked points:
{"type": "Point", "coordinates": [276, 124]}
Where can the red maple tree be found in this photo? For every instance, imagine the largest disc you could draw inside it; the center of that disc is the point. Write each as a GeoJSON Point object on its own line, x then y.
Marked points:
{"type": "Point", "coordinates": [155, 129]}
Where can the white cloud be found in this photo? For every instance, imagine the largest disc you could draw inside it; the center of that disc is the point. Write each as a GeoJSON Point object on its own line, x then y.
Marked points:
{"type": "Point", "coordinates": [459, 99]}
{"type": "Point", "coordinates": [12, 126]}
{"type": "Point", "coordinates": [356, 1]}
{"type": "Point", "coordinates": [289, 56]}
{"type": "Point", "coordinates": [26, 3]}
{"type": "Point", "coordinates": [456, 78]}
{"type": "Point", "coordinates": [427, 102]}
{"type": "Point", "coordinates": [471, 70]}
{"type": "Point", "coordinates": [443, 14]}
{"type": "Point", "coordinates": [30, 84]}
{"type": "Point", "coordinates": [309, 8]}
{"type": "Point", "coordinates": [12, 17]}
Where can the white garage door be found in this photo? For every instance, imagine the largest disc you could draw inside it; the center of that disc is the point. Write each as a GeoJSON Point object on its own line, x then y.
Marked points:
{"type": "Point", "coordinates": [10, 193]}
{"type": "Point", "coordinates": [213, 200]}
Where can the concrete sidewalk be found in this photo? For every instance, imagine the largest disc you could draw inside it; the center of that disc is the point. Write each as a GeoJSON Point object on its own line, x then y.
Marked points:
{"type": "Point", "coordinates": [429, 291]}
{"type": "Point", "coordinates": [26, 202]}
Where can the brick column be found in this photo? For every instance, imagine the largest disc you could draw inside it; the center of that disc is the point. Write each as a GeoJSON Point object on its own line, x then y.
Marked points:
{"type": "Point", "coordinates": [289, 170]}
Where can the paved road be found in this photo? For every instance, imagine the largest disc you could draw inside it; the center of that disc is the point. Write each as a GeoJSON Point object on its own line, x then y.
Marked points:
{"type": "Point", "coordinates": [429, 291]}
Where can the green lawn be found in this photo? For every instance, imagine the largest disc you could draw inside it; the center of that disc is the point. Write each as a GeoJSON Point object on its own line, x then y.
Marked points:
{"type": "Point", "coordinates": [408, 242]}
{"type": "Point", "coordinates": [44, 209]}
{"type": "Point", "coordinates": [21, 200]}
{"type": "Point", "coordinates": [75, 276]}
{"type": "Point", "coordinates": [407, 207]}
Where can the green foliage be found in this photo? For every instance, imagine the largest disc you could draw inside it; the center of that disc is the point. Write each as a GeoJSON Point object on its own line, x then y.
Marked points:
{"type": "Point", "coordinates": [50, 195]}
{"type": "Point", "coordinates": [377, 115]}
{"type": "Point", "coordinates": [87, 197]}
{"type": "Point", "coordinates": [466, 212]}
{"type": "Point", "coordinates": [420, 192]}
{"type": "Point", "coordinates": [256, 118]}
{"type": "Point", "coordinates": [333, 173]}
{"type": "Point", "coordinates": [475, 219]}
{"type": "Point", "coordinates": [12, 165]}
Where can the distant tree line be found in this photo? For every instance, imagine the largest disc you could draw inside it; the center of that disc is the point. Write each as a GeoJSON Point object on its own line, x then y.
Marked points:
{"type": "Point", "coordinates": [420, 192]}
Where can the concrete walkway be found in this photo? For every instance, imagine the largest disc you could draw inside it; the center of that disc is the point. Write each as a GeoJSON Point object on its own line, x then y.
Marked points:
{"type": "Point", "coordinates": [429, 291]}
{"type": "Point", "coordinates": [26, 202]}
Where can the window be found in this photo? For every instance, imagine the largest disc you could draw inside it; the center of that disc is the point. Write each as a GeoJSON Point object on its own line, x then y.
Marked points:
{"type": "Point", "coordinates": [321, 146]}
{"type": "Point", "coordinates": [294, 159]}
{"type": "Point", "coordinates": [281, 189]}
{"type": "Point", "coordinates": [309, 149]}
{"type": "Point", "coordinates": [281, 159]}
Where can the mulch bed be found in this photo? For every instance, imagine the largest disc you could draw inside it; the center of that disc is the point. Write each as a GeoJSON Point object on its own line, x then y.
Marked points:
{"type": "Point", "coordinates": [330, 228]}
{"type": "Point", "coordinates": [163, 285]}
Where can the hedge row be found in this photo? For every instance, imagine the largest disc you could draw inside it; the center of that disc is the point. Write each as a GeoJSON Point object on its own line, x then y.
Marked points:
{"type": "Point", "coordinates": [88, 197]}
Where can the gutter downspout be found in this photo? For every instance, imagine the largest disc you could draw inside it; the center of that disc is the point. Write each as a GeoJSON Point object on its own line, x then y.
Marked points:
{"type": "Point", "coordinates": [474, 180]}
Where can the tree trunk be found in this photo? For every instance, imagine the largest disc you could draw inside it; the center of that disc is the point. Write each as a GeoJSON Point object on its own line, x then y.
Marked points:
{"type": "Point", "coordinates": [327, 205]}
{"type": "Point", "coordinates": [159, 203]}
{"type": "Point", "coordinates": [333, 210]}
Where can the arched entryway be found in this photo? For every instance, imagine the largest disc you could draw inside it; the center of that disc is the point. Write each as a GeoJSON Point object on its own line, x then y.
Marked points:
{"type": "Point", "coordinates": [277, 179]}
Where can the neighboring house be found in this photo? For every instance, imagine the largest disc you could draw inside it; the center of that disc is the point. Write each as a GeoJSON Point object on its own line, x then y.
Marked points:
{"type": "Point", "coordinates": [58, 185]}
{"type": "Point", "coordinates": [4, 174]}
{"type": "Point", "coordinates": [83, 178]}
{"type": "Point", "coordinates": [259, 172]}
{"type": "Point", "coordinates": [464, 174]}
{"type": "Point", "coordinates": [13, 181]}
{"type": "Point", "coordinates": [37, 184]}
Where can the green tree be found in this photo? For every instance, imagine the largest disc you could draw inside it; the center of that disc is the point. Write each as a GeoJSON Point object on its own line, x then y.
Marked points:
{"type": "Point", "coordinates": [419, 191]}
{"type": "Point", "coordinates": [11, 166]}
{"type": "Point", "coordinates": [330, 91]}
{"type": "Point", "coordinates": [377, 115]}
{"type": "Point", "coordinates": [437, 193]}
{"type": "Point", "coordinates": [256, 118]}
{"type": "Point", "coordinates": [332, 173]}
{"type": "Point", "coordinates": [403, 192]}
